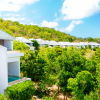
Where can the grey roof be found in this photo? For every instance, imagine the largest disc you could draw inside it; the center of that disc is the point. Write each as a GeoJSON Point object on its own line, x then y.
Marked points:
{"type": "Point", "coordinates": [5, 36]}
{"type": "Point", "coordinates": [53, 43]}
{"type": "Point", "coordinates": [41, 41]}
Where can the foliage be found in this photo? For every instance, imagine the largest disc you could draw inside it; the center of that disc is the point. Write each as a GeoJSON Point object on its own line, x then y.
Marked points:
{"type": "Point", "coordinates": [81, 85]}
{"type": "Point", "coordinates": [20, 91]}
{"type": "Point", "coordinates": [32, 65]}
{"type": "Point", "coordinates": [93, 95]}
{"type": "Point", "coordinates": [42, 90]}
{"type": "Point", "coordinates": [35, 44]}
{"type": "Point", "coordinates": [95, 48]}
{"type": "Point", "coordinates": [33, 31]}
{"type": "Point", "coordinates": [98, 75]}
{"type": "Point", "coordinates": [1, 97]}
{"type": "Point", "coordinates": [47, 98]}
{"type": "Point", "coordinates": [89, 54]}
{"type": "Point", "coordinates": [20, 46]}
{"type": "Point", "coordinates": [75, 71]}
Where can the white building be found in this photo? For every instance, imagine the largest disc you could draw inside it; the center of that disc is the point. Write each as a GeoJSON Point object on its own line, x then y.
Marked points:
{"type": "Point", "coordinates": [64, 44]}
{"type": "Point", "coordinates": [9, 60]}
{"type": "Point", "coordinates": [24, 40]}
{"type": "Point", "coordinates": [53, 43]}
{"type": "Point", "coordinates": [79, 44]}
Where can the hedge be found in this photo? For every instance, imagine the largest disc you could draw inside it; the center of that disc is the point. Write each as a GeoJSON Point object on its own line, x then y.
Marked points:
{"type": "Point", "coordinates": [21, 91]}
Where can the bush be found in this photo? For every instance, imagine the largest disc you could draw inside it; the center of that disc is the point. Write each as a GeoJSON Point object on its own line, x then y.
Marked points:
{"type": "Point", "coordinates": [1, 97]}
{"type": "Point", "coordinates": [17, 45]}
{"type": "Point", "coordinates": [21, 91]}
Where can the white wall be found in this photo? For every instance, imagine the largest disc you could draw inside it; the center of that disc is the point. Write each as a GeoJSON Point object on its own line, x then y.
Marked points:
{"type": "Point", "coordinates": [8, 44]}
{"type": "Point", "coordinates": [3, 69]}
{"type": "Point", "coordinates": [14, 68]}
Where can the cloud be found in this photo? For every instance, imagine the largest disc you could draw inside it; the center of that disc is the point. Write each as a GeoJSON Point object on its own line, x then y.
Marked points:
{"type": "Point", "coordinates": [14, 5]}
{"type": "Point", "coordinates": [55, 14]}
{"type": "Point", "coordinates": [78, 9]}
{"type": "Point", "coordinates": [14, 19]}
{"type": "Point", "coordinates": [31, 23]}
{"type": "Point", "coordinates": [71, 26]}
{"type": "Point", "coordinates": [11, 15]}
{"type": "Point", "coordinates": [49, 24]}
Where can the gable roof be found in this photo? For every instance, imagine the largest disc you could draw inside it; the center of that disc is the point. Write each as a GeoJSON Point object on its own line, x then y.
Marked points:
{"type": "Point", "coordinates": [5, 36]}
{"type": "Point", "coordinates": [22, 39]}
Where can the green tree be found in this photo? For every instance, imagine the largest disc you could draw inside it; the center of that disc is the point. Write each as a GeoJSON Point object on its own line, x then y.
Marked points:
{"type": "Point", "coordinates": [32, 66]}
{"type": "Point", "coordinates": [81, 85]}
{"type": "Point", "coordinates": [35, 44]}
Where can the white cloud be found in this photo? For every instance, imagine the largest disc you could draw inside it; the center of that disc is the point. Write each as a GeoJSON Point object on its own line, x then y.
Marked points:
{"type": "Point", "coordinates": [14, 5]}
{"type": "Point", "coordinates": [11, 15]}
{"type": "Point", "coordinates": [14, 19]}
{"type": "Point", "coordinates": [31, 23]}
{"type": "Point", "coordinates": [49, 24]}
{"type": "Point", "coordinates": [55, 14]}
{"type": "Point", "coordinates": [72, 25]}
{"type": "Point", "coordinates": [78, 9]}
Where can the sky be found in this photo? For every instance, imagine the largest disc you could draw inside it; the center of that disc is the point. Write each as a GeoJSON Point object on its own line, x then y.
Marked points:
{"type": "Point", "coordinates": [79, 18]}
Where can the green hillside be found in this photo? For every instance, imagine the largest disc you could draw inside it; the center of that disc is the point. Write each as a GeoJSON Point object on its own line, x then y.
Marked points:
{"type": "Point", "coordinates": [33, 31]}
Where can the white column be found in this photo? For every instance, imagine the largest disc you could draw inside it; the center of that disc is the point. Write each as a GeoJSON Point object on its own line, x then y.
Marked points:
{"type": "Point", "coordinates": [3, 69]}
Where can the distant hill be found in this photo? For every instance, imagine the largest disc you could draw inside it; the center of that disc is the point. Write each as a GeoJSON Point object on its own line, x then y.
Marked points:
{"type": "Point", "coordinates": [33, 31]}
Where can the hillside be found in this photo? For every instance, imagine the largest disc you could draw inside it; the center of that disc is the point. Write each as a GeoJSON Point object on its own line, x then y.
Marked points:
{"type": "Point", "coordinates": [32, 31]}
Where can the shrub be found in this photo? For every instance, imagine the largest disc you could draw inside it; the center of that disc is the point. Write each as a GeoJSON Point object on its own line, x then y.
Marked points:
{"type": "Point", "coordinates": [17, 45]}
{"type": "Point", "coordinates": [1, 97]}
{"type": "Point", "coordinates": [21, 91]}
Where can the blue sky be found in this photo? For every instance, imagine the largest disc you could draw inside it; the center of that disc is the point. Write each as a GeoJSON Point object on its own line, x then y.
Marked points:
{"type": "Point", "coordinates": [80, 18]}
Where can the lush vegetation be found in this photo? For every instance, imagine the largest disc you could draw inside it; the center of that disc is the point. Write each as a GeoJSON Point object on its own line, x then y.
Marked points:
{"type": "Point", "coordinates": [20, 46]}
{"type": "Point", "coordinates": [1, 97]}
{"type": "Point", "coordinates": [21, 91]}
{"type": "Point", "coordinates": [75, 71]}
{"type": "Point", "coordinates": [35, 44]}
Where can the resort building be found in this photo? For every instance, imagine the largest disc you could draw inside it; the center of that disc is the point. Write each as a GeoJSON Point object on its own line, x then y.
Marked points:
{"type": "Point", "coordinates": [52, 43]}
{"type": "Point", "coordinates": [79, 44]}
{"type": "Point", "coordinates": [9, 62]}
{"type": "Point", "coordinates": [66, 44]}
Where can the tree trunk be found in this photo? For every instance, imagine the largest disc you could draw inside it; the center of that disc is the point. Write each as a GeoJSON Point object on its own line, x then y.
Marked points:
{"type": "Point", "coordinates": [66, 95]}
{"type": "Point", "coordinates": [58, 88]}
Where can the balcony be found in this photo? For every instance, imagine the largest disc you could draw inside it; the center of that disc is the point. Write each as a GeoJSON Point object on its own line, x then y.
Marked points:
{"type": "Point", "coordinates": [14, 54]}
